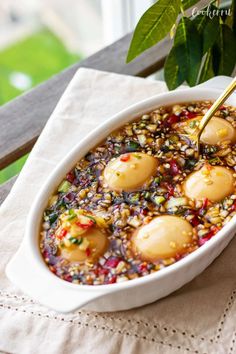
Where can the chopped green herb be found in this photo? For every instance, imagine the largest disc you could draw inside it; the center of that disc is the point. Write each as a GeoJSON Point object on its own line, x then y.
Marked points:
{"type": "Point", "coordinates": [64, 187]}
{"type": "Point", "coordinates": [174, 138]}
{"type": "Point", "coordinates": [209, 150]}
{"type": "Point", "coordinates": [189, 164]}
{"type": "Point", "coordinates": [76, 241]}
{"type": "Point", "coordinates": [159, 199]}
{"type": "Point", "coordinates": [225, 112]}
{"type": "Point", "coordinates": [60, 205]}
{"type": "Point", "coordinates": [215, 160]}
{"type": "Point", "coordinates": [165, 148]}
{"type": "Point", "coordinates": [147, 195]}
{"type": "Point", "coordinates": [52, 218]}
{"type": "Point", "coordinates": [72, 217]}
{"type": "Point", "coordinates": [135, 198]}
{"type": "Point", "coordinates": [158, 179]}
{"type": "Point", "coordinates": [193, 124]}
{"type": "Point", "coordinates": [91, 218]}
{"type": "Point", "coordinates": [132, 146]}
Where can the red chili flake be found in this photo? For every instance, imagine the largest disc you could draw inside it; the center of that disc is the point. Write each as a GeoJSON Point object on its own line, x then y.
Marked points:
{"type": "Point", "coordinates": [112, 280]}
{"type": "Point", "coordinates": [202, 241]}
{"type": "Point", "coordinates": [144, 211]}
{"type": "Point", "coordinates": [208, 166]}
{"type": "Point", "coordinates": [62, 234]}
{"type": "Point", "coordinates": [174, 168]}
{"type": "Point", "coordinates": [170, 190]}
{"type": "Point", "coordinates": [125, 157]}
{"type": "Point", "coordinates": [88, 252]}
{"type": "Point", "coordinates": [205, 203]}
{"type": "Point", "coordinates": [233, 207]}
{"type": "Point", "coordinates": [222, 108]}
{"type": "Point", "coordinates": [70, 176]}
{"type": "Point", "coordinates": [103, 271]}
{"type": "Point", "coordinates": [112, 262]}
{"type": "Point", "coordinates": [96, 271]}
{"type": "Point", "coordinates": [142, 267]}
{"type": "Point", "coordinates": [89, 224]}
{"type": "Point", "coordinates": [53, 269]}
{"type": "Point", "coordinates": [195, 221]}
{"type": "Point", "coordinates": [190, 115]}
{"type": "Point", "coordinates": [68, 277]}
{"type": "Point", "coordinates": [208, 236]}
{"type": "Point", "coordinates": [172, 119]}
{"type": "Point", "coordinates": [178, 256]}
{"type": "Point", "coordinates": [45, 254]}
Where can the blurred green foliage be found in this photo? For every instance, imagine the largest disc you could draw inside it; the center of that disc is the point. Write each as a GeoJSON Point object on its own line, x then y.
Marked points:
{"type": "Point", "coordinates": [36, 59]}
{"type": "Point", "coordinates": [12, 169]}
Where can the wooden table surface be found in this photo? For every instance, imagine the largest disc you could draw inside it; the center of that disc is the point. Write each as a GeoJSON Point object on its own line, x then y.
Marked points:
{"type": "Point", "coordinates": [23, 118]}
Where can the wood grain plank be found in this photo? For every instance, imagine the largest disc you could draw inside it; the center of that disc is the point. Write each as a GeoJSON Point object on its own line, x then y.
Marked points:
{"type": "Point", "coordinates": [23, 119]}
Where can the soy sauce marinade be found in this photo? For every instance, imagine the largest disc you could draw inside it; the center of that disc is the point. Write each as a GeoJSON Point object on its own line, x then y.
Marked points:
{"type": "Point", "coordinates": [88, 229]}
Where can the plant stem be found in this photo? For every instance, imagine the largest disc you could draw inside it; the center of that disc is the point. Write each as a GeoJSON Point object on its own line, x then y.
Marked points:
{"type": "Point", "coordinates": [182, 9]}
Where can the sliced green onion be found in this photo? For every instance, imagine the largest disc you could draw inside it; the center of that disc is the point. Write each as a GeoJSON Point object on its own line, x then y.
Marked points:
{"type": "Point", "coordinates": [72, 217]}
{"type": "Point", "coordinates": [76, 241]}
{"type": "Point", "coordinates": [132, 146]}
{"type": "Point", "coordinates": [193, 124]}
{"type": "Point", "coordinates": [159, 200]}
{"type": "Point", "coordinates": [64, 187]}
{"type": "Point", "coordinates": [52, 217]}
{"type": "Point", "coordinates": [91, 217]}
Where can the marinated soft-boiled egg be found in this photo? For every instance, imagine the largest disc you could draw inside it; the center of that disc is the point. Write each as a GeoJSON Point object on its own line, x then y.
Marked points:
{"type": "Point", "coordinates": [164, 237]}
{"type": "Point", "coordinates": [81, 236]}
{"type": "Point", "coordinates": [93, 245]}
{"type": "Point", "coordinates": [216, 131]}
{"type": "Point", "coordinates": [214, 183]}
{"type": "Point", "coordinates": [129, 172]}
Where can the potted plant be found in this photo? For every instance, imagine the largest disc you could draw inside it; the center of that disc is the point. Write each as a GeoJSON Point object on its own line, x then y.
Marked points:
{"type": "Point", "coordinates": [204, 41]}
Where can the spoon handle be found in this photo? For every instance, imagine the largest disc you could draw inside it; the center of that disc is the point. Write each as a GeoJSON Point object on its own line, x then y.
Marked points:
{"type": "Point", "coordinates": [214, 108]}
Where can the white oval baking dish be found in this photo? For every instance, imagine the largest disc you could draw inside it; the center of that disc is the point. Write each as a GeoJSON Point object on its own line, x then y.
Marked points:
{"type": "Point", "coordinates": [28, 271]}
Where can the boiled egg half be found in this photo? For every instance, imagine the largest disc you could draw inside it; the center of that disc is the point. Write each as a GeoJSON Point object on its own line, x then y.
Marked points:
{"type": "Point", "coordinates": [129, 172]}
{"type": "Point", "coordinates": [216, 131]}
{"type": "Point", "coordinates": [163, 237]}
{"type": "Point", "coordinates": [211, 182]}
{"type": "Point", "coordinates": [81, 236]}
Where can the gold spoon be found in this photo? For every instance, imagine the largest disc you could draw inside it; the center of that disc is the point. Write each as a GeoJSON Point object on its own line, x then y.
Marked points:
{"type": "Point", "coordinates": [210, 113]}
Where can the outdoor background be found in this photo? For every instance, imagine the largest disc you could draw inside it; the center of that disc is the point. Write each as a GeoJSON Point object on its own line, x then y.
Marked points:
{"type": "Point", "coordinates": [39, 38]}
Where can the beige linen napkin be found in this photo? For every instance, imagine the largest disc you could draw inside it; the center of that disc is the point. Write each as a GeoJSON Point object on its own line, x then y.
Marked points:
{"type": "Point", "coordinates": [199, 318]}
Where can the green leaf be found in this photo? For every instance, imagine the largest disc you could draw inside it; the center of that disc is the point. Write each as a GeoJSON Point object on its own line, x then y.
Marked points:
{"type": "Point", "coordinates": [200, 22]}
{"type": "Point", "coordinates": [174, 71]}
{"type": "Point", "coordinates": [189, 53]}
{"type": "Point", "coordinates": [153, 26]}
{"type": "Point", "coordinates": [216, 58]}
{"type": "Point", "coordinates": [231, 18]}
{"type": "Point", "coordinates": [188, 3]}
{"type": "Point", "coordinates": [226, 51]}
{"type": "Point", "coordinates": [210, 33]}
{"type": "Point", "coordinates": [207, 71]}
{"type": "Point", "coordinates": [207, 27]}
